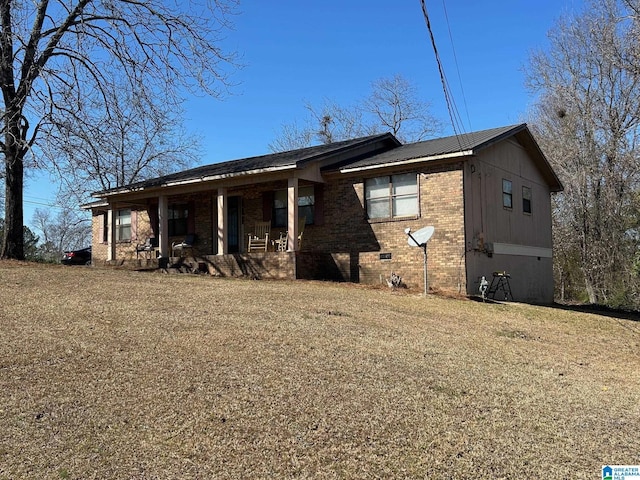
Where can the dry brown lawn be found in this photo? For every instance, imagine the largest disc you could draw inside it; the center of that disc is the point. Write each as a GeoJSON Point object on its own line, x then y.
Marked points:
{"type": "Point", "coordinates": [112, 374]}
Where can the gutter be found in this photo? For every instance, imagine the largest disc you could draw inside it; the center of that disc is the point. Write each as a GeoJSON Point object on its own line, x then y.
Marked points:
{"type": "Point", "coordinates": [192, 181]}
{"type": "Point", "coordinates": [229, 175]}
{"type": "Point", "coordinates": [443, 156]}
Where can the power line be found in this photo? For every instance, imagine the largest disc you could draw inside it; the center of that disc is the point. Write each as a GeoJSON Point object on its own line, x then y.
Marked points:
{"type": "Point", "coordinates": [51, 205]}
{"type": "Point", "coordinates": [456, 123]}
{"type": "Point", "coordinates": [455, 59]}
{"type": "Point", "coordinates": [42, 199]}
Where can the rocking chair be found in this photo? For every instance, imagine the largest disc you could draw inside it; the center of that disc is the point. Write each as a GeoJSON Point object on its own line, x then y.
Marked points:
{"type": "Point", "coordinates": [259, 238]}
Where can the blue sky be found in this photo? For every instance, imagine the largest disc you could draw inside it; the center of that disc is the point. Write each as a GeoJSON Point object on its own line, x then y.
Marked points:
{"type": "Point", "coordinates": [298, 52]}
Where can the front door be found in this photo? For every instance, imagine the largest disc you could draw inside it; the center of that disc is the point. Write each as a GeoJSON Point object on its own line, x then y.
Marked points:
{"type": "Point", "coordinates": [233, 224]}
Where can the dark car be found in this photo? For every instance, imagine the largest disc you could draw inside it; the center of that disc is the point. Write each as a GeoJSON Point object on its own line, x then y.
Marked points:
{"type": "Point", "coordinates": [77, 257]}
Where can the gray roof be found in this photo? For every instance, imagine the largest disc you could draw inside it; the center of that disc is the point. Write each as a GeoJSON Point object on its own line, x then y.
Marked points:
{"type": "Point", "coordinates": [388, 152]}
{"type": "Point", "coordinates": [439, 147]}
{"type": "Point", "coordinates": [290, 159]}
{"type": "Point", "coordinates": [463, 144]}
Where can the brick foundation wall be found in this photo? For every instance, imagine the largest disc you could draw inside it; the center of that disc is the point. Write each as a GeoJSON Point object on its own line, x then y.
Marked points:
{"type": "Point", "coordinates": [323, 266]}
{"type": "Point", "coordinates": [269, 265]}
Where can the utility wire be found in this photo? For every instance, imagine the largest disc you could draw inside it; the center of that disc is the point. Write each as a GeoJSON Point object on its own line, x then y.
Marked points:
{"type": "Point", "coordinates": [455, 59]}
{"type": "Point", "coordinates": [453, 113]}
{"type": "Point", "coordinates": [51, 205]}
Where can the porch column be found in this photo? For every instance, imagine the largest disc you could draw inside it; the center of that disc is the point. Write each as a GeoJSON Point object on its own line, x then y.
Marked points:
{"type": "Point", "coordinates": [111, 233]}
{"type": "Point", "coordinates": [223, 244]}
{"type": "Point", "coordinates": [292, 211]}
{"type": "Point", "coordinates": [163, 226]}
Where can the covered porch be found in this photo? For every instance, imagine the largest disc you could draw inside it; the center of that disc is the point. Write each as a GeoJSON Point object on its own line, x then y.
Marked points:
{"type": "Point", "coordinates": [211, 224]}
{"type": "Point", "coordinates": [207, 214]}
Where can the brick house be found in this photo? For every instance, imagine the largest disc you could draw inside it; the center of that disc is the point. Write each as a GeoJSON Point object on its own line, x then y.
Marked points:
{"type": "Point", "coordinates": [487, 194]}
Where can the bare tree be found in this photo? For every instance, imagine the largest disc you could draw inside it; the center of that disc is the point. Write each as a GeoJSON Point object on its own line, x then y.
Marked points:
{"type": "Point", "coordinates": [292, 137]}
{"type": "Point", "coordinates": [392, 106]}
{"type": "Point", "coordinates": [395, 104]}
{"type": "Point", "coordinates": [588, 123]}
{"type": "Point", "coordinates": [135, 139]}
{"type": "Point", "coordinates": [58, 59]}
{"type": "Point", "coordinates": [68, 230]}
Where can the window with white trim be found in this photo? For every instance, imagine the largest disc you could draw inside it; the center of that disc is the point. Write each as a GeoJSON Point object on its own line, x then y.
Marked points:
{"type": "Point", "coordinates": [392, 196]}
{"type": "Point", "coordinates": [123, 225]}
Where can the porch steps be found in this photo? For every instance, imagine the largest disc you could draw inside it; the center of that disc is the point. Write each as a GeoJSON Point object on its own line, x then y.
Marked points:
{"type": "Point", "coordinates": [178, 265]}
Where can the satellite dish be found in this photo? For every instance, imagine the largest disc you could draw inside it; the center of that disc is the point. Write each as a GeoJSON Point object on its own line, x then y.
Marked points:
{"type": "Point", "coordinates": [421, 237]}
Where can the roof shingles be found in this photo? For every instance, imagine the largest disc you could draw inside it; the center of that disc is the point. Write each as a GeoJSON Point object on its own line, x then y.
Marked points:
{"type": "Point", "coordinates": [437, 147]}
{"type": "Point", "coordinates": [279, 160]}
{"type": "Point", "coordinates": [390, 154]}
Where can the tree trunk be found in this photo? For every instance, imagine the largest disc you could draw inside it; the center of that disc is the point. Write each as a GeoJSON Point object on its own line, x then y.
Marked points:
{"type": "Point", "coordinates": [591, 292]}
{"type": "Point", "coordinates": [13, 241]}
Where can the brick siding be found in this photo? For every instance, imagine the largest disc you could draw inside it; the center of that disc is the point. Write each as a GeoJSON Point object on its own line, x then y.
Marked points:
{"type": "Point", "coordinates": [346, 246]}
{"type": "Point", "coordinates": [347, 230]}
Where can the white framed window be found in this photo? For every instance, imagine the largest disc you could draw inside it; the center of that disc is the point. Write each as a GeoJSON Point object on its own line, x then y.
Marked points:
{"type": "Point", "coordinates": [123, 225]}
{"type": "Point", "coordinates": [507, 193]}
{"type": "Point", "coordinates": [306, 206]}
{"type": "Point", "coordinates": [526, 199]}
{"type": "Point", "coordinates": [392, 196]}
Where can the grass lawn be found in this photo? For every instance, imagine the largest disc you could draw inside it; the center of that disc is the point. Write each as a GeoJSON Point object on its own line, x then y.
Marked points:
{"type": "Point", "coordinates": [111, 374]}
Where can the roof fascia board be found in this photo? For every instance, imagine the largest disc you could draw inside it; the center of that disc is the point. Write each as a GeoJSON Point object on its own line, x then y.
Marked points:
{"type": "Point", "coordinates": [444, 156]}
{"type": "Point", "coordinates": [543, 164]}
{"type": "Point", "coordinates": [301, 163]}
{"type": "Point", "coordinates": [498, 138]}
{"type": "Point", "coordinates": [95, 204]}
{"type": "Point", "coordinates": [199, 184]}
{"type": "Point", "coordinates": [214, 178]}
{"type": "Point", "coordinates": [524, 136]}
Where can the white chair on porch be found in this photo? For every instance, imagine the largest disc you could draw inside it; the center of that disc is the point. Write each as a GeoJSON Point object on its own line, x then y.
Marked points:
{"type": "Point", "coordinates": [259, 238]}
{"type": "Point", "coordinates": [186, 244]}
{"type": "Point", "coordinates": [282, 242]}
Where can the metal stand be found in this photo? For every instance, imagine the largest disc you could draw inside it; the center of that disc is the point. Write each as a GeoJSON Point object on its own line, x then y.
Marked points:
{"type": "Point", "coordinates": [500, 282]}
{"type": "Point", "coordinates": [424, 250]}
{"type": "Point", "coordinates": [424, 253]}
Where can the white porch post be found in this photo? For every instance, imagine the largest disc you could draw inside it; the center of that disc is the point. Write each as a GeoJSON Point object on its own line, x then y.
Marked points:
{"type": "Point", "coordinates": [223, 244]}
{"type": "Point", "coordinates": [292, 210]}
{"type": "Point", "coordinates": [163, 225]}
{"type": "Point", "coordinates": [111, 234]}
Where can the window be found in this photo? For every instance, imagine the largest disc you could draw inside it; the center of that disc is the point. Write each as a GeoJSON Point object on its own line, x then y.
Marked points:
{"type": "Point", "coordinates": [105, 228]}
{"type": "Point", "coordinates": [526, 199]}
{"type": "Point", "coordinates": [178, 217]}
{"type": "Point", "coordinates": [306, 206]}
{"type": "Point", "coordinates": [280, 208]}
{"type": "Point", "coordinates": [507, 194]}
{"type": "Point", "coordinates": [392, 196]}
{"type": "Point", "coordinates": [123, 225]}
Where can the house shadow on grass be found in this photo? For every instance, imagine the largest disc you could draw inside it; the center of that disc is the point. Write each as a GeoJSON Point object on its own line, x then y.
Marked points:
{"type": "Point", "coordinates": [601, 310]}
